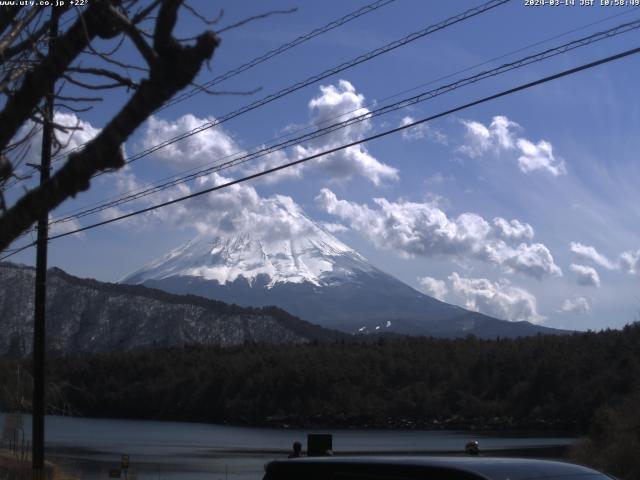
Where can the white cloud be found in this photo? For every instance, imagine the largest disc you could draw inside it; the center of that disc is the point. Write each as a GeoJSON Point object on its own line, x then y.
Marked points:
{"type": "Point", "coordinates": [423, 229]}
{"type": "Point", "coordinates": [410, 228]}
{"type": "Point", "coordinates": [334, 227]}
{"type": "Point", "coordinates": [343, 101]}
{"type": "Point", "coordinates": [587, 252]}
{"type": "Point", "coordinates": [501, 136]}
{"type": "Point", "coordinates": [436, 178]}
{"type": "Point", "coordinates": [513, 230]}
{"type": "Point", "coordinates": [533, 259]}
{"type": "Point", "coordinates": [586, 276]}
{"type": "Point", "coordinates": [575, 305]}
{"type": "Point", "coordinates": [630, 261]}
{"type": "Point", "coordinates": [67, 226]}
{"type": "Point", "coordinates": [539, 156]}
{"type": "Point", "coordinates": [334, 103]}
{"type": "Point", "coordinates": [431, 286]}
{"type": "Point", "coordinates": [421, 131]}
{"type": "Point", "coordinates": [235, 209]}
{"type": "Point", "coordinates": [208, 146]}
{"type": "Point", "coordinates": [498, 299]}
{"type": "Point", "coordinates": [78, 133]}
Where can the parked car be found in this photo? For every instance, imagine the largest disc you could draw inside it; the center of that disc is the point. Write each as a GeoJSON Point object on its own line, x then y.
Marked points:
{"type": "Point", "coordinates": [426, 468]}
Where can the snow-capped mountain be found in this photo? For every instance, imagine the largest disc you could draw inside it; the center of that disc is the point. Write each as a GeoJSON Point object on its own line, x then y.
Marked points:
{"type": "Point", "coordinates": [311, 274]}
{"type": "Point", "coordinates": [317, 258]}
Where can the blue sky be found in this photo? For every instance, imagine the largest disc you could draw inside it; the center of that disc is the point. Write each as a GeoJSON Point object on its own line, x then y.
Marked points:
{"type": "Point", "coordinates": [523, 208]}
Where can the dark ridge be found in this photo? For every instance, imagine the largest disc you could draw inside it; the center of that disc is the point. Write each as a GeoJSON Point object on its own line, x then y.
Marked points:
{"type": "Point", "coordinates": [295, 324]}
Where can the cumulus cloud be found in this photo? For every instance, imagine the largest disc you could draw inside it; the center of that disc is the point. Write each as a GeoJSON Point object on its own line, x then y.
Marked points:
{"type": "Point", "coordinates": [498, 299]}
{"type": "Point", "coordinates": [67, 226]}
{"type": "Point", "coordinates": [513, 230]}
{"type": "Point", "coordinates": [575, 305]}
{"type": "Point", "coordinates": [501, 136]}
{"type": "Point", "coordinates": [423, 229]}
{"type": "Point", "coordinates": [78, 133]}
{"type": "Point", "coordinates": [234, 210]}
{"type": "Point", "coordinates": [586, 276]}
{"type": "Point", "coordinates": [334, 103]}
{"type": "Point", "coordinates": [589, 253]}
{"type": "Point", "coordinates": [630, 261]}
{"type": "Point", "coordinates": [334, 227]}
{"type": "Point", "coordinates": [343, 101]}
{"type": "Point", "coordinates": [208, 146]}
{"type": "Point", "coordinates": [421, 131]}
{"type": "Point", "coordinates": [539, 156]}
{"type": "Point", "coordinates": [431, 286]}
{"type": "Point", "coordinates": [533, 259]}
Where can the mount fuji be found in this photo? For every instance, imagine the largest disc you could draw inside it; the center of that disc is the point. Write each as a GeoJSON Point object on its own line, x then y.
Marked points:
{"type": "Point", "coordinates": [315, 276]}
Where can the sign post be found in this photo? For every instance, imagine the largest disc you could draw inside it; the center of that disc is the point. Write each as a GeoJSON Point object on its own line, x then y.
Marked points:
{"type": "Point", "coordinates": [124, 465]}
{"type": "Point", "coordinates": [319, 444]}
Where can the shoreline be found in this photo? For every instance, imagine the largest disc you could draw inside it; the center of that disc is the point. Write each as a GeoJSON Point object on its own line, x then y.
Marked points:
{"type": "Point", "coordinates": [499, 427]}
{"type": "Point", "coordinates": [544, 451]}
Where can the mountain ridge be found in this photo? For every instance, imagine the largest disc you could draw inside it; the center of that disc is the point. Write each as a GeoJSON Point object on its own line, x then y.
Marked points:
{"type": "Point", "coordinates": [89, 316]}
{"type": "Point", "coordinates": [313, 275]}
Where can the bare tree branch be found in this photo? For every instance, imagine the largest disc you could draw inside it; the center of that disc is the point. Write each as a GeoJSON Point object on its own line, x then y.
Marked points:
{"type": "Point", "coordinates": [17, 29]}
{"type": "Point", "coordinates": [115, 62]}
{"type": "Point", "coordinates": [6, 169]}
{"type": "Point", "coordinates": [92, 86]}
{"type": "Point", "coordinates": [25, 44]}
{"type": "Point", "coordinates": [7, 14]}
{"type": "Point", "coordinates": [102, 72]}
{"type": "Point", "coordinates": [256, 17]}
{"type": "Point", "coordinates": [13, 75]}
{"type": "Point", "coordinates": [32, 130]}
{"type": "Point", "coordinates": [136, 37]}
{"type": "Point", "coordinates": [174, 68]}
{"type": "Point", "coordinates": [144, 13]}
{"type": "Point", "coordinates": [201, 17]}
{"type": "Point", "coordinates": [79, 99]}
{"type": "Point", "coordinates": [74, 109]}
{"type": "Point", "coordinates": [42, 77]}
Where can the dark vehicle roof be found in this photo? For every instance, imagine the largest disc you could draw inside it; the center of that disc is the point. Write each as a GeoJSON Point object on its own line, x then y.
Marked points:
{"type": "Point", "coordinates": [427, 468]}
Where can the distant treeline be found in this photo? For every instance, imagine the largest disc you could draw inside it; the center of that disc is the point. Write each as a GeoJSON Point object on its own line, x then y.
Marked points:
{"type": "Point", "coordinates": [536, 382]}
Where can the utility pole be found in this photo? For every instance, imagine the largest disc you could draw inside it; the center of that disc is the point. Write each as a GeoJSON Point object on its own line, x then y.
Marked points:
{"type": "Point", "coordinates": [37, 456]}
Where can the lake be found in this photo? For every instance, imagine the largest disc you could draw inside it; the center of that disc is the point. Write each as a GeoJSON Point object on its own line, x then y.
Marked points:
{"type": "Point", "coordinates": [89, 447]}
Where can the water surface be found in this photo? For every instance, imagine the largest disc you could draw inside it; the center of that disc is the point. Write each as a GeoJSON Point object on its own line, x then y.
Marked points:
{"type": "Point", "coordinates": [90, 447]}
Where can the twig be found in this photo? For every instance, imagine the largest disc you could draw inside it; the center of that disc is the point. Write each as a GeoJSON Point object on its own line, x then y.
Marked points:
{"type": "Point", "coordinates": [74, 109]}
{"type": "Point", "coordinates": [102, 72]}
{"type": "Point", "coordinates": [256, 17]}
{"type": "Point", "coordinates": [201, 17]}
{"type": "Point", "coordinates": [90, 86]}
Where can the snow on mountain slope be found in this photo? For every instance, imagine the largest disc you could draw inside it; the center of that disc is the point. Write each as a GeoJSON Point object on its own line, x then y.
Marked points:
{"type": "Point", "coordinates": [315, 257]}
{"type": "Point", "coordinates": [290, 261]}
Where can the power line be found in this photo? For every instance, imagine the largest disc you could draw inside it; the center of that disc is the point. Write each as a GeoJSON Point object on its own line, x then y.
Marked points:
{"type": "Point", "coordinates": [385, 133]}
{"type": "Point", "coordinates": [412, 89]}
{"type": "Point", "coordinates": [472, 12]}
{"type": "Point", "coordinates": [528, 60]}
{"type": "Point", "coordinates": [327, 121]}
{"type": "Point", "coordinates": [278, 50]}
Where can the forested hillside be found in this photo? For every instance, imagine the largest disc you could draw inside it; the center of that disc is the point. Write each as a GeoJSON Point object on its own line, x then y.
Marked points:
{"type": "Point", "coordinates": [85, 316]}
{"type": "Point", "coordinates": [537, 382]}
